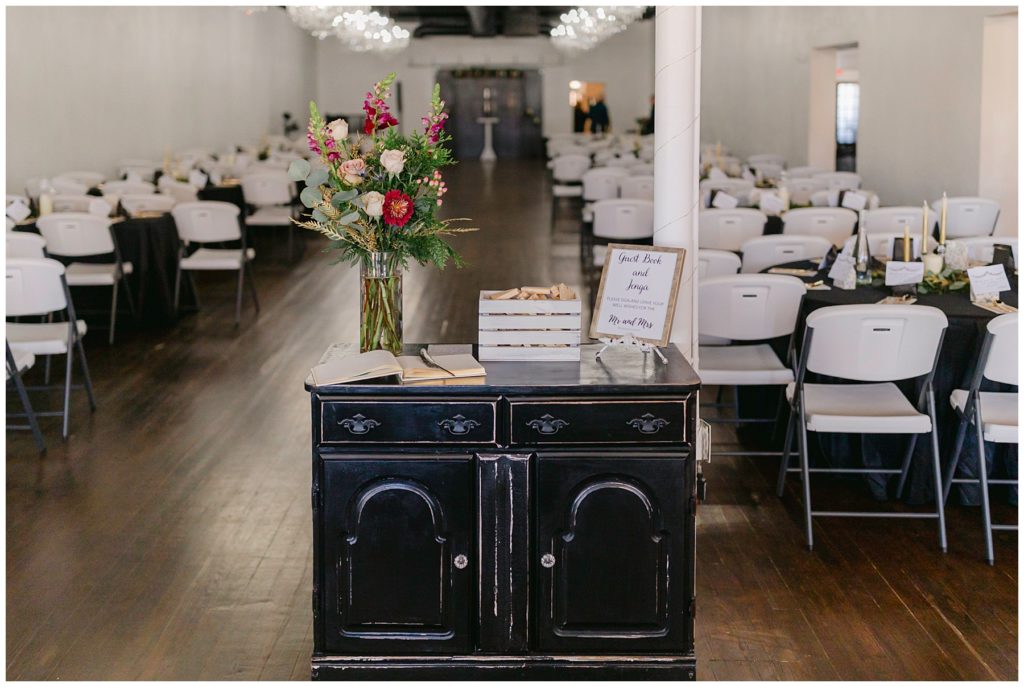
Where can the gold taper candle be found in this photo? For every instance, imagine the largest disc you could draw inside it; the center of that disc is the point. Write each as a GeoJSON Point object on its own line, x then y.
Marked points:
{"type": "Point", "coordinates": [942, 221]}
{"type": "Point", "coordinates": [906, 243]}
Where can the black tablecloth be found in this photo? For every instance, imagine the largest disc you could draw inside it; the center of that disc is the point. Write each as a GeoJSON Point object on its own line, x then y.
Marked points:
{"type": "Point", "coordinates": [960, 348]}
{"type": "Point", "coordinates": [227, 194]}
{"type": "Point", "coordinates": [151, 245]}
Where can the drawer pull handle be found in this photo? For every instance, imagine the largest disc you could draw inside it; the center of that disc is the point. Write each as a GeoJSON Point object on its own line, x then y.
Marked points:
{"type": "Point", "coordinates": [359, 424]}
{"type": "Point", "coordinates": [461, 562]}
{"type": "Point", "coordinates": [547, 424]}
{"type": "Point", "coordinates": [647, 423]}
{"type": "Point", "coordinates": [458, 425]}
{"type": "Point", "coordinates": [547, 560]}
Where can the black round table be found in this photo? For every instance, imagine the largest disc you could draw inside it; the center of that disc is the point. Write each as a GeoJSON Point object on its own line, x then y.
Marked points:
{"type": "Point", "coordinates": [960, 348]}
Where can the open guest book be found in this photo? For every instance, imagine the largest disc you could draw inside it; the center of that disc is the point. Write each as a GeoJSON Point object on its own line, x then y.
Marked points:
{"type": "Point", "coordinates": [409, 369]}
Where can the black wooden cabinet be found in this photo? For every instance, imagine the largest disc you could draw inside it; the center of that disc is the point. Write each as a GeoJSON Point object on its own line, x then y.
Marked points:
{"type": "Point", "coordinates": [540, 526]}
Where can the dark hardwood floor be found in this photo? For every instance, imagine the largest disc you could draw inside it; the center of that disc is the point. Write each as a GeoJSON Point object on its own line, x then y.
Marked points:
{"type": "Point", "coordinates": [169, 538]}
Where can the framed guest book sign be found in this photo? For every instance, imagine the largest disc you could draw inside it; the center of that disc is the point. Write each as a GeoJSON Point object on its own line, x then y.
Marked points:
{"type": "Point", "coordinates": [637, 295]}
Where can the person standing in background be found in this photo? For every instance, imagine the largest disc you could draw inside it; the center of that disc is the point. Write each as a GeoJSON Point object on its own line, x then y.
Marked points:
{"type": "Point", "coordinates": [579, 117]}
{"type": "Point", "coordinates": [600, 122]}
{"type": "Point", "coordinates": [648, 127]}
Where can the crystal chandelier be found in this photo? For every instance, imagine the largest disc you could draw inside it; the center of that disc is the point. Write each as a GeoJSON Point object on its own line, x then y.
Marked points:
{"type": "Point", "coordinates": [585, 27]}
{"type": "Point", "coordinates": [359, 27]}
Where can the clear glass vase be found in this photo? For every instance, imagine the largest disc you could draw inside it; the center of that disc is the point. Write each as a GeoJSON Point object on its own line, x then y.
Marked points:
{"type": "Point", "coordinates": [380, 303]}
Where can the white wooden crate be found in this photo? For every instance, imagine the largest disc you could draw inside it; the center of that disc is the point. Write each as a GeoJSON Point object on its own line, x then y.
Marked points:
{"type": "Point", "coordinates": [529, 330]}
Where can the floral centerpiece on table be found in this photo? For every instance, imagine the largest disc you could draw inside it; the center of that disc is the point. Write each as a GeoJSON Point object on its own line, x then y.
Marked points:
{"type": "Point", "coordinates": [377, 199]}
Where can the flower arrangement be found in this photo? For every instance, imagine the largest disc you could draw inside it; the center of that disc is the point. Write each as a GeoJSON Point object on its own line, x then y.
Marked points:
{"type": "Point", "coordinates": [384, 200]}
{"type": "Point", "coordinates": [377, 199]}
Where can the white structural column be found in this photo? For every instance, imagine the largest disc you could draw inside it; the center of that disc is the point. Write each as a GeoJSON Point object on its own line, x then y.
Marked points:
{"type": "Point", "coordinates": [677, 147]}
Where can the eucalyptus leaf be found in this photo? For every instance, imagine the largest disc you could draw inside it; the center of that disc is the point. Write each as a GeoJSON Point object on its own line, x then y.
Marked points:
{"type": "Point", "coordinates": [319, 216]}
{"type": "Point", "coordinates": [349, 218]}
{"type": "Point", "coordinates": [342, 197]}
{"type": "Point", "coordinates": [317, 177]}
{"type": "Point", "coordinates": [298, 170]}
{"type": "Point", "coordinates": [311, 196]}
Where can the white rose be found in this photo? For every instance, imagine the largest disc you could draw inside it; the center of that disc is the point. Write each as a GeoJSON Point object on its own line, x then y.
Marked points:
{"type": "Point", "coordinates": [393, 161]}
{"type": "Point", "coordinates": [373, 203]}
{"type": "Point", "coordinates": [339, 129]}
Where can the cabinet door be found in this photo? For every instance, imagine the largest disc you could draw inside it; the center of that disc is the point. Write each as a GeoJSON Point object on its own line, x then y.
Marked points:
{"type": "Point", "coordinates": [397, 558]}
{"type": "Point", "coordinates": [611, 565]}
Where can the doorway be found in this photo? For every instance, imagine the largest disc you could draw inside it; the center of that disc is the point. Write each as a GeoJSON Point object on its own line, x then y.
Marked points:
{"type": "Point", "coordinates": [513, 96]}
{"type": "Point", "coordinates": [583, 94]}
{"type": "Point", "coordinates": [834, 115]}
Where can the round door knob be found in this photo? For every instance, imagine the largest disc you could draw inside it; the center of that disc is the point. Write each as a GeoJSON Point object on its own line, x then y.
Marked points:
{"type": "Point", "coordinates": [547, 560]}
{"type": "Point", "coordinates": [461, 561]}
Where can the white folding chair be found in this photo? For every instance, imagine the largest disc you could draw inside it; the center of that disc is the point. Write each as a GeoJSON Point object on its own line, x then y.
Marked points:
{"type": "Point", "coordinates": [876, 345]}
{"type": "Point", "coordinates": [737, 188]}
{"type": "Point", "coordinates": [18, 361]}
{"type": "Point", "coordinates": [802, 188]}
{"type": "Point", "coordinates": [67, 187]}
{"type": "Point", "coordinates": [722, 229]}
{"type": "Point", "coordinates": [993, 414]}
{"type": "Point", "coordinates": [893, 219]}
{"type": "Point", "coordinates": [766, 159]}
{"type": "Point", "coordinates": [840, 180]}
{"type": "Point", "coordinates": [600, 183]}
{"type": "Point", "coordinates": [803, 172]}
{"type": "Point", "coordinates": [767, 170]}
{"type": "Point", "coordinates": [763, 252]}
{"type": "Point", "coordinates": [128, 188]}
{"type": "Point", "coordinates": [620, 221]}
{"type": "Point", "coordinates": [567, 172]}
{"type": "Point", "coordinates": [641, 169]}
{"type": "Point", "coordinates": [747, 308]}
{"type": "Point", "coordinates": [76, 235]}
{"type": "Point", "coordinates": [981, 248]}
{"type": "Point", "coordinates": [882, 243]}
{"type": "Point", "coordinates": [271, 194]}
{"type": "Point", "coordinates": [636, 188]}
{"type": "Point", "coordinates": [716, 263]}
{"type": "Point", "coordinates": [212, 221]}
{"type": "Point", "coordinates": [143, 169]}
{"type": "Point", "coordinates": [180, 191]}
{"type": "Point", "coordinates": [834, 224]}
{"type": "Point", "coordinates": [62, 203]}
{"type": "Point", "coordinates": [37, 288]}
{"type": "Point", "coordinates": [829, 198]}
{"type": "Point", "coordinates": [88, 179]}
{"type": "Point", "coordinates": [22, 244]}
{"type": "Point", "coordinates": [150, 202]}
{"type": "Point", "coordinates": [968, 216]}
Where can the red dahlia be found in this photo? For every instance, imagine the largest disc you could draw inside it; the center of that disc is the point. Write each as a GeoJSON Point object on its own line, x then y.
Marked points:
{"type": "Point", "coordinates": [397, 208]}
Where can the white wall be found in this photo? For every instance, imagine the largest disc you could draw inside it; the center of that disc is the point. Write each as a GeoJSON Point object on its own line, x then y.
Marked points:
{"type": "Point", "coordinates": [999, 119]}
{"type": "Point", "coordinates": [625, 63]}
{"type": "Point", "coordinates": [87, 86]}
{"type": "Point", "coordinates": [920, 79]}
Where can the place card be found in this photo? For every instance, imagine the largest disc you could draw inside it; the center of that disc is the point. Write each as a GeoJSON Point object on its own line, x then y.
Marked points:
{"type": "Point", "coordinates": [843, 273]}
{"type": "Point", "coordinates": [771, 203]}
{"type": "Point", "coordinates": [898, 273]}
{"type": "Point", "coordinates": [715, 174]}
{"type": "Point", "coordinates": [18, 210]}
{"type": "Point", "coordinates": [197, 178]}
{"type": "Point", "coordinates": [854, 200]}
{"type": "Point", "coordinates": [987, 281]}
{"type": "Point", "coordinates": [100, 207]}
{"type": "Point", "coordinates": [724, 201]}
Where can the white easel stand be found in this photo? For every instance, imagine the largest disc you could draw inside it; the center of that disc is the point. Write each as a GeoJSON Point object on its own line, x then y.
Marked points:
{"type": "Point", "coordinates": [630, 342]}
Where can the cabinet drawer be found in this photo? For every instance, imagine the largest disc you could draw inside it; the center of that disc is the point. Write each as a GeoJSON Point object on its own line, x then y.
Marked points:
{"type": "Point", "coordinates": [641, 421]}
{"type": "Point", "coordinates": [375, 421]}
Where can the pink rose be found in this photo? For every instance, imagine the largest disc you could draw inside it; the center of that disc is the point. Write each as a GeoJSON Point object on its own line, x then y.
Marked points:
{"type": "Point", "coordinates": [352, 171]}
